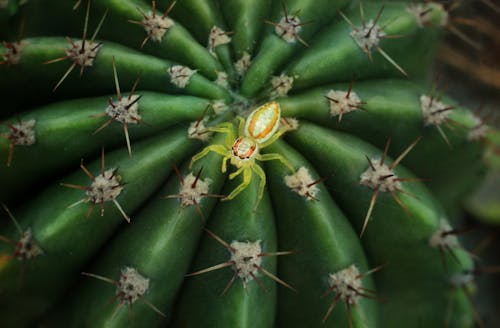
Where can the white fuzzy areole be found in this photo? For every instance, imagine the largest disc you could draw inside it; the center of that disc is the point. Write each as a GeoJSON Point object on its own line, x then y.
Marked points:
{"type": "Point", "coordinates": [105, 187]}
{"type": "Point", "coordinates": [423, 14]}
{"type": "Point", "coordinates": [346, 284]}
{"type": "Point", "coordinates": [219, 106]}
{"type": "Point", "coordinates": [246, 258]}
{"type": "Point", "coordinates": [242, 64]}
{"type": "Point", "coordinates": [289, 124]}
{"type": "Point", "coordinates": [479, 130]}
{"type": "Point", "coordinates": [432, 111]}
{"type": "Point", "coordinates": [442, 238]}
{"type": "Point", "coordinates": [190, 194]}
{"type": "Point", "coordinates": [180, 75]}
{"type": "Point", "coordinates": [198, 130]}
{"type": "Point", "coordinates": [462, 279]}
{"type": "Point", "coordinates": [125, 110]}
{"type": "Point", "coordinates": [13, 54]}
{"type": "Point", "coordinates": [367, 37]}
{"type": "Point", "coordinates": [302, 183]}
{"type": "Point", "coordinates": [288, 28]}
{"type": "Point", "coordinates": [156, 26]}
{"type": "Point", "coordinates": [83, 57]}
{"type": "Point", "coordinates": [419, 12]}
{"type": "Point", "coordinates": [216, 38]}
{"type": "Point", "coordinates": [131, 286]}
{"type": "Point", "coordinates": [341, 103]}
{"type": "Point", "coordinates": [22, 133]}
{"type": "Point", "coordinates": [27, 248]}
{"type": "Point", "coordinates": [222, 80]}
{"type": "Point", "coordinates": [281, 84]}
{"type": "Point", "coordinates": [381, 177]}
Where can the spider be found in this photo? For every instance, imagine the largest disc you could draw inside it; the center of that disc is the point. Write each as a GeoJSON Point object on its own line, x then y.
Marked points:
{"type": "Point", "coordinates": [258, 131]}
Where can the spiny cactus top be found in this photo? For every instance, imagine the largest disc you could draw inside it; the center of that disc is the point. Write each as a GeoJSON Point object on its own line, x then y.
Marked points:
{"type": "Point", "coordinates": [212, 163]}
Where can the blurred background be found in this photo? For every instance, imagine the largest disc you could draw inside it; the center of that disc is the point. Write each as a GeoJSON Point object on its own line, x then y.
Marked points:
{"type": "Point", "coordinates": [469, 64]}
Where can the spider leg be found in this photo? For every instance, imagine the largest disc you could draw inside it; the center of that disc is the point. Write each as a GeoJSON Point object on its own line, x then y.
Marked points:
{"type": "Point", "coordinates": [262, 175]}
{"type": "Point", "coordinates": [241, 125]}
{"type": "Point", "coordinates": [219, 149]}
{"type": "Point", "coordinates": [228, 128]}
{"type": "Point", "coordinates": [247, 176]}
{"type": "Point", "coordinates": [224, 163]}
{"type": "Point", "coordinates": [275, 137]}
{"type": "Point", "coordinates": [275, 156]}
{"type": "Point", "coordinates": [236, 173]}
{"type": "Point", "coordinates": [225, 127]}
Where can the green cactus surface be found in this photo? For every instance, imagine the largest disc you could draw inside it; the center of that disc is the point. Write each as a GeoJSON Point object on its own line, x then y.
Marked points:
{"type": "Point", "coordinates": [231, 163]}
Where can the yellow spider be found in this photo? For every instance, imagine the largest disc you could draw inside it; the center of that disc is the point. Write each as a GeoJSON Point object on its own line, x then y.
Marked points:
{"type": "Point", "coordinates": [258, 131]}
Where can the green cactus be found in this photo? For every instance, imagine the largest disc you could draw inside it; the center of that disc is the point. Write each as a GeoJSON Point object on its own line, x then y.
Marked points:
{"type": "Point", "coordinates": [321, 221]}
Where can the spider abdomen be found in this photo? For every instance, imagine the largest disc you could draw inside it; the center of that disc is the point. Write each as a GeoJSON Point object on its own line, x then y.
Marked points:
{"type": "Point", "coordinates": [263, 122]}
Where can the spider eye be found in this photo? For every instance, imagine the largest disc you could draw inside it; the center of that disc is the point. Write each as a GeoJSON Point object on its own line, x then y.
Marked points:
{"type": "Point", "coordinates": [263, 122]}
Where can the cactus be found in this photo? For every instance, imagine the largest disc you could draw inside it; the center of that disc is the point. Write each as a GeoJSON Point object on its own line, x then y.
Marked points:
{"type": "Point", "coordinates": [231, 164]}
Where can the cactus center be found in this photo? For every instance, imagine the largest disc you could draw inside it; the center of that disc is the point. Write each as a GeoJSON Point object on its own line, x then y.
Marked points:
{"type": "Point", "coordinates": [346, 284]}
{"type": "Point", "coordinates": [105, 187]}
{"type": "Point", "coordinates": [380, 176]}
{"type": "Point", "coordinates": [246, 259]}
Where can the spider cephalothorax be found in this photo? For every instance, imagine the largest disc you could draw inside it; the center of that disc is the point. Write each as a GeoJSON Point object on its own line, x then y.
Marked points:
{"type": "Point", "coordinates": [259, 130]}
{"type": "Point", "coordinates": [244, 148]}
